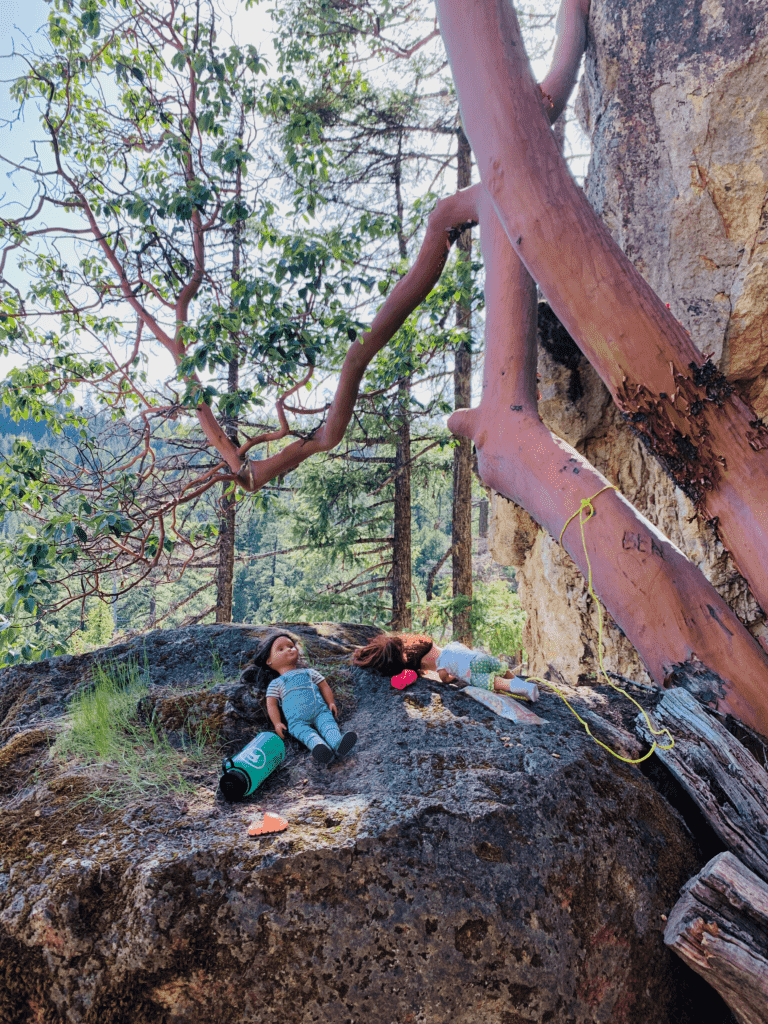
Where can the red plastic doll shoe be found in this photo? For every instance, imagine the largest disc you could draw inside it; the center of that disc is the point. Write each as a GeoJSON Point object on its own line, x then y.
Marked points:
{"type": "Point", "coordinates": [405, 678]}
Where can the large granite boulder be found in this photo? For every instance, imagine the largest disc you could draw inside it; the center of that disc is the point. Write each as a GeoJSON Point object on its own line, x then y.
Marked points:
{"type": "Point", "coordinates": [456, 867]}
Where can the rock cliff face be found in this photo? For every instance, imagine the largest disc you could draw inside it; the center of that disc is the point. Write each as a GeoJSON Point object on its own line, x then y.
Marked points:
{"type": "Point", "coordinates": [456, 867]}
{"type": "Point", "coordinates": [674, 97]}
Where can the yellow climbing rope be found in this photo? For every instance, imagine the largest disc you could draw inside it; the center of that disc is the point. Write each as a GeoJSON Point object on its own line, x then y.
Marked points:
{"type": "Point", "coordinates": [585, 512]}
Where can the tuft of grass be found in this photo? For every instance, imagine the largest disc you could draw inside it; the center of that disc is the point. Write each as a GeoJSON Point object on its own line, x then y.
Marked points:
{"type": "Point", "coordinates": [129, 757]}
{"type": "Point", "coordinates": [339, 679]}
{"type": "Point", "coordinates": [217, 670]}
{"type": "Point", "coordinates": [102, 717]}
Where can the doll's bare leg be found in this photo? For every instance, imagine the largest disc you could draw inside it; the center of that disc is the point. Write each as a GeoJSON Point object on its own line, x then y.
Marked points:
{"type": "Point", "coordinates": [662, 602]}
{"type": "Point", "coordinates": [516, 687]}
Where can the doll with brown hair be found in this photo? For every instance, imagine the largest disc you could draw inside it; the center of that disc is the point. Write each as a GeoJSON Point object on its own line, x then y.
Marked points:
{"type": "Point", "coordinates": [306, 699]}
{"type": "Point", "coordinates": [394, 653]}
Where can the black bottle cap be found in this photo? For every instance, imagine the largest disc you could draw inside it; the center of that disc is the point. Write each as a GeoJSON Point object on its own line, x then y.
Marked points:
{"type": "Point", "coordinates": [233, 785]}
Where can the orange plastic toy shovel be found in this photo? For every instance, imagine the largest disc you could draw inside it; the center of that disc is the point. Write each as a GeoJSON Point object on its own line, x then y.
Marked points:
{"type": "Point", "coordinates": [269, 823]}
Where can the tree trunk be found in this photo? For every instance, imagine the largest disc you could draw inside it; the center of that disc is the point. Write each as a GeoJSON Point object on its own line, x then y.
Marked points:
{"type": "Point", "coordinates": [225, 573]}
{"type": "Point", "coordinates": [273, 576]}
{"type": "Point", "coordinates": [461, 517]}
{"type": "Point", "coordinates": [720, 928]}
{"type": "Point", "coordinates": [430, 590]}
{"type": "Point", "coordinates": [401, 529]}
{"type": "Point", "coordinates": [482, 525]}
{"type": "Point", "coordinates": [401, 532]}
{"type": "Point", "coordinates": [706, 434]}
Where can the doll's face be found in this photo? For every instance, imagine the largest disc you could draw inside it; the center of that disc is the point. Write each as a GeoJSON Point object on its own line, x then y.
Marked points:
{"type": "Point", "coordinates": [429, 661]}
{"type": "Point", "coordinates": [284, 655]}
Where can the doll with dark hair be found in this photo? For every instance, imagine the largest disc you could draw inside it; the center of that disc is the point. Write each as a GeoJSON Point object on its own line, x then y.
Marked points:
{"type": "Point", "coordinates": [306, 699]}
{"type": "Point", "coordinates": [397, 653]}
{"type": "Point", "coordinates": [390, 653]}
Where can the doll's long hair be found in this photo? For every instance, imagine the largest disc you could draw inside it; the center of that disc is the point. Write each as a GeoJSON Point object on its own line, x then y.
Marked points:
{"type": "Point", "coordinates": [390, 653]}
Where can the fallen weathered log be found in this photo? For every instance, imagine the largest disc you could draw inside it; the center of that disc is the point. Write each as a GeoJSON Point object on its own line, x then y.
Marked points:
{"type": "Point", "coordinates": [720, 928]}
{"type": "Point", "coordinates": [726, 782]}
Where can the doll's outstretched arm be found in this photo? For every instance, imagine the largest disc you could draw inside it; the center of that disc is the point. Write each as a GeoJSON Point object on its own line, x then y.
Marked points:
{"type": "Point", "coordinates": [327, 694]}
{"type": "Point", "coordinates": [273, 710]}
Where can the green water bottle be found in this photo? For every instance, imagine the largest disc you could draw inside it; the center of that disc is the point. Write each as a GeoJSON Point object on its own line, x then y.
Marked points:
{"type": "Point", "coordinates": [246, 771]}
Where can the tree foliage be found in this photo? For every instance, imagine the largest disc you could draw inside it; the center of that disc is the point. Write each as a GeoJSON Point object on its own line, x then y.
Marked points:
{"type": "Point", "coordinates": [149, 166]}
{"type": "Point", "coordinates": [153, 164]}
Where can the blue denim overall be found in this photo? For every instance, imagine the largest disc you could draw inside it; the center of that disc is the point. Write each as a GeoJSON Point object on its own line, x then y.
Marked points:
{"type": "Point", "coordinates": [306, 713]}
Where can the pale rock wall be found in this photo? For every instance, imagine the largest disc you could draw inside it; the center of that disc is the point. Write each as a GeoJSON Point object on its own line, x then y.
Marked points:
{"type": "Point", "coordinates": [675, 99]}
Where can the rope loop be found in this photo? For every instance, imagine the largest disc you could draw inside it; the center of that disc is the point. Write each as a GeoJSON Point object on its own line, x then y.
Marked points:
{"type": "Point", "coordinates": [585, 511]}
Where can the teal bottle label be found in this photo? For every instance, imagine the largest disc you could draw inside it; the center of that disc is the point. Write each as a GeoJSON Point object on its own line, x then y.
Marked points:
{"type": "Point", "coordinates": [259, 759]}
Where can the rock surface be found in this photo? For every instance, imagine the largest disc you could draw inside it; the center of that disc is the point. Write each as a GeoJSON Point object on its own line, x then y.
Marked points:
{"type": "Point", "coordinates": [454, 868]}
{"type": "Point", "coordinates": [674, 97]}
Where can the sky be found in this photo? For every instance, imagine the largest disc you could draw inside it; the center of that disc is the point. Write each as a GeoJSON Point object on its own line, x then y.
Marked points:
{"type": "Point", "coordinates": [18, 21]}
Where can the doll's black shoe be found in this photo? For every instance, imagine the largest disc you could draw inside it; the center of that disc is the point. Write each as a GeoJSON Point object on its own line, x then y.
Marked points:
{"type": "Point", "coordinates": [348, 740]}
{"type": "Point", "coordinates": [323, 754]}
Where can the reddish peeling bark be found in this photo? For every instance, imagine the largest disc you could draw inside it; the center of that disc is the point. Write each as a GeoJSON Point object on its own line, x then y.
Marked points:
{"type": "Point", "coordinates": [571, 41]}
{"type": "Point", "coordinates": [662, 602]}
{"type": "Point", "coordinates": [707, 435]}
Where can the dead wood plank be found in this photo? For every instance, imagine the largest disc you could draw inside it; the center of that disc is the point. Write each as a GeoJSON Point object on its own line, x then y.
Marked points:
{"type": "Point", "coordinates": [719, 927]}
{"type": "Point", "coordinates": [726, 782]}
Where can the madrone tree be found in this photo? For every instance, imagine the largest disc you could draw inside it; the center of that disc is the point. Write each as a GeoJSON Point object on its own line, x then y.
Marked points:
{"type": "Point", "coordinates": [539, 227]}
{"type": "Point", "coordinates": [536, 225]}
